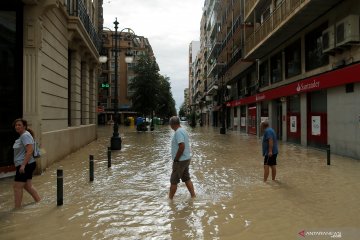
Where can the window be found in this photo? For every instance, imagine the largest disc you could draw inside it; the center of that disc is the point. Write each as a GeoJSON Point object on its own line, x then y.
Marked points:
{"type": "Point", "coordinates": [264, 74]}
{"type": "Point", "coordinates": [314, 57]}
{"type": "Point", "coordinates": [293, 59]}
{"type": "Point", "coordinates": [276, 71]}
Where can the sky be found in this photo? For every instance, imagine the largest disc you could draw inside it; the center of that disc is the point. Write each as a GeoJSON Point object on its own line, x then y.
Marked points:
{"type": "Point", "coordinates": [170, 26]}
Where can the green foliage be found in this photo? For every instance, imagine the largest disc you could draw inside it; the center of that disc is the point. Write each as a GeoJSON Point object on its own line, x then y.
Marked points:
{"type": "Point", "coordinates": [182, 111]}
{"type": "Point", "coordinates": [152, 91]}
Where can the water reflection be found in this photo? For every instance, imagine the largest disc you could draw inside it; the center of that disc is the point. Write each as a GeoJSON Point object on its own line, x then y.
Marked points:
{"type": "Point", "coordinates": [129, 200]}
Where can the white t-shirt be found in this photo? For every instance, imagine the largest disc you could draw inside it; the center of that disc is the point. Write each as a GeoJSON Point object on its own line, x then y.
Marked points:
{"type": "Point", "coordinates": [180, 136]}
{"type": "Point", "coordinates": [20, 148]}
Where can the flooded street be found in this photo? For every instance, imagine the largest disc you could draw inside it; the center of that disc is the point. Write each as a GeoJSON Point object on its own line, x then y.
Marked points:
{"type": "Point", "coordinates": [130, 200]}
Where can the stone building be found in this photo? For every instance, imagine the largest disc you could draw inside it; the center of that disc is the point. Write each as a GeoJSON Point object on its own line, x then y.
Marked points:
{"type": "Point", "coordinates": [133, 48]}
{"type": "Point", "coordinates": [50, 62]}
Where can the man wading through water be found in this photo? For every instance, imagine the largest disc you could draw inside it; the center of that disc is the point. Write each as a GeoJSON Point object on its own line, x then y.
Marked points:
{"type": "Point", "coordinates": [181, 155]}
{"type": "Point", "coordinates": [269, 150]}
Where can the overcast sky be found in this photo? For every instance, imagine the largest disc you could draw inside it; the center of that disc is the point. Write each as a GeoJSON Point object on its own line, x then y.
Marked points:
{"type": "Point", "coordinates": [170, 26]}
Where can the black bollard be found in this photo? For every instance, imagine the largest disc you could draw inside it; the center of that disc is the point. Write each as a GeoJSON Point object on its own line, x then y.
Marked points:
{"type": "Point", "coordinates": [60, 187]}
{"type": "Point", "coordinates": [109, 157]}
{"type": "Point", "coordinates": [91, 168]}
{"type": "Point", "coordinates": [328, 154]}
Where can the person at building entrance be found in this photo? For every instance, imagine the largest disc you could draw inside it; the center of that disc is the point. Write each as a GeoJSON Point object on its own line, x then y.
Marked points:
{"type": "Point", "coordinates": [181, 155]}
{"type": "Point", "coordinates": [269, 150]}
{"type": "Point", "coordinates": [24, 162]}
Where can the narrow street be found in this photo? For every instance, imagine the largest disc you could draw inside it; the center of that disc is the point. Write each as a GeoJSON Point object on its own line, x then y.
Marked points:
{"type": "Point", "coordinates": [129, 200]}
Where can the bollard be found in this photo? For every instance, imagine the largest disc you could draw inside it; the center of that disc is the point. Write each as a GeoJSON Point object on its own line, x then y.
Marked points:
{"type": "Point", "coordinates": [60, 187]}
{"type": "Point", "coordinates": [328, 154]}
{"type": "Point", "coordinates": [91, 168]}
{"type": "Point", "coordinates": [109, 157]}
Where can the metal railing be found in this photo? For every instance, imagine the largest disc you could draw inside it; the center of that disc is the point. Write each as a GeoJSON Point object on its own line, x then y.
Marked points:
{"type": "Point", "coordinates": [77, 8]}
{"type": "Point", "coordinates": [249, 5]}
{"type": "Point", "coordinates": [276, 18]}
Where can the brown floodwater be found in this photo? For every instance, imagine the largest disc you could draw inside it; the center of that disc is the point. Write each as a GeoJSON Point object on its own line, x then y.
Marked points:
{"type": "Point", "coordinates": [129, 200]}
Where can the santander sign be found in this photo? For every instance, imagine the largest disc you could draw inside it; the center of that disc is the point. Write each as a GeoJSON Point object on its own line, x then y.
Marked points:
{"type": "Point", "coordinates": [308, 86]}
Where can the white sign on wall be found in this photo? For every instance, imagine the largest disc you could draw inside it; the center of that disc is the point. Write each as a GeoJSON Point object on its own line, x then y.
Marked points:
{"type": "Point", "coordinates": [235, 121]}
{"type": "Point", "coordinates": [293, 124]}
{"type": "Point", "coordinates": [243, 121]}
{"type": "Point", "coordinates": [315, 126]}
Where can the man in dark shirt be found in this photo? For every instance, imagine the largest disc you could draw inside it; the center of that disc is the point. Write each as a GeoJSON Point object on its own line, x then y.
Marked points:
{"type": "Point", "coordinates": [269, 150]}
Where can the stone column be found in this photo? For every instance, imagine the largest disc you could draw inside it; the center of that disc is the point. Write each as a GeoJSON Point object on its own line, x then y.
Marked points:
{"type": "Point", "coordinates": [84, 93]}
{"type": "Point", "coordinates": [92, 94]}
{"type": "Point", "coordinates": [75, 89]}
{"type": "Point", "coordinates": [303, 118]}
{"type": "Point", "coordinates": [283, 119]}
{"type": "Point", "coordinates": [31, 68]}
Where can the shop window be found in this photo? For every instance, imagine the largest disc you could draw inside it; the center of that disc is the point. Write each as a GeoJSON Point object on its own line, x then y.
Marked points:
{"type": "Point", "coordinates": [276, 70]}
{"type": "Point", "coordinates": [314, 57]}
{"type": "Point", "coordinates": [293, 59]}
{"type": "Point", "coordinates": [294, 104]}
{"type": "Point", "coordinates": [318, 101]}
{"type": "Point", "coordinates": [264, 110]}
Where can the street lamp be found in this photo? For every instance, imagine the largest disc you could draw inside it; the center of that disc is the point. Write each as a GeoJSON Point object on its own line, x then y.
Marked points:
{"type": "Point", "coordinates": [128, 36]}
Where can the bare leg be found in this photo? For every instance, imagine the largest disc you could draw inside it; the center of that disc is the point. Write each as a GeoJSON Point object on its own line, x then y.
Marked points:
{"type": "Point", "coordinates": [273, 172]}
{"type": "Point", "coordinates": [18, 193]}
{"type": "Point", "coordinates": [190, 187]}
{"type": "Point", "coordinates": [266, 172]}
{"type": "Point", "coordinates": [173, 188]}
{"type": "Point", "coordinates": [32, 191]}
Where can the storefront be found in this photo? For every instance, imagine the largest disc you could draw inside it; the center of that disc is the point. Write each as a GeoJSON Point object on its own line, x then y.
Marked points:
{"type": "Point", "coordinates": [306, 115]}
{"type": "Point", "coordinates": [252, 122]}
{"type": "Point", "coordinates": [317, 119]}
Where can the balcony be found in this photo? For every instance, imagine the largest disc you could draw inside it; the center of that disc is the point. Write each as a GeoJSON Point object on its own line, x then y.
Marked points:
{"type": "Point", "coordinates": [76, 8]}
{"type": "Point", "coordinates": [285, 21]}
{"type": "Point", "coordinates": [214, 68]}
{"type": "Point", "coordinates": [214, 50]}
{"type": "Point", "coordinates": [212, 86]}
{"type": "Point", "coordinates": [250, 6]}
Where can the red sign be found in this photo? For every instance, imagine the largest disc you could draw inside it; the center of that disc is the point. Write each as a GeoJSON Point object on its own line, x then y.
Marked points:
{"type": "Point", "coordinates": [335, 78]}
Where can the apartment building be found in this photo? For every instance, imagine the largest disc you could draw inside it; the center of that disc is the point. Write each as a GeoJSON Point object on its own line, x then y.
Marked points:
{"type": "Point", "coordinates": [293, 62]}
{"type": "Point", "coordinates": [194, 84]}
{"type": "Point", "coordinates": [134, 47]}
{"type": "Point", "coordinates": [49, 56]}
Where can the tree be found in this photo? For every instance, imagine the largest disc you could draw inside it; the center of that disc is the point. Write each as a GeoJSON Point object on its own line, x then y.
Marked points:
{"type": "Point", "coordinates": [151, 91]}
{"type": "Point", "coordinates": [166, 105]}
{"type": "Point", "coordinates": [182, 111]}
{"type": "Point", "coordinates": [145, 85]}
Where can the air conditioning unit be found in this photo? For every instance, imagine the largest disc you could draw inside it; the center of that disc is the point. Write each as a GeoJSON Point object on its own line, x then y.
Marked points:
{"type": "Point", "coordinates": [328, 39]}
{"type": "Point", "coordinates": [347, 31]}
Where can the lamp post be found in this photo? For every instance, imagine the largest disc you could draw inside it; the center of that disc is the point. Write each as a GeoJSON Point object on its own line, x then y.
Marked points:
{"type": "Point", "coordinates": [129, 36]}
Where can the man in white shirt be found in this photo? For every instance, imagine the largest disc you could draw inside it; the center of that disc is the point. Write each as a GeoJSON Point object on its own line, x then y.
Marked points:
{"type": "Point", "coordinates": [181, 156]}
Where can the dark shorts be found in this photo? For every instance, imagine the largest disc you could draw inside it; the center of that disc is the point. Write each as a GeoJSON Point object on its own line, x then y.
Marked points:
{"type": "Point", "coordinates": [180, 170]}
{"type": "Point", "coordinates": [270, 161]}
{"type": "Point", "coordinates": [23, 177]}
